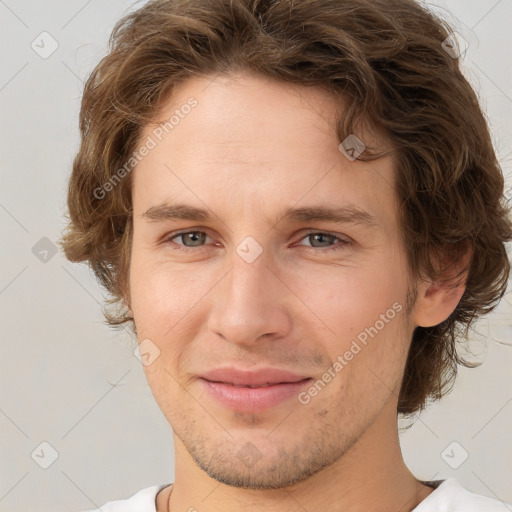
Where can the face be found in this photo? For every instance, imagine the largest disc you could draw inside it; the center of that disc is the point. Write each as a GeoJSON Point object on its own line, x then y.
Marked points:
{"type": "Point", "coordinates": [259, 248]}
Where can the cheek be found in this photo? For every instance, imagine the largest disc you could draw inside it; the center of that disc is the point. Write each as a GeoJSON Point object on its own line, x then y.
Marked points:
{"type": "Point", "coordinates": [162, 293]}
{"type": "Point", "coordinates": [368, 348]}
{"type": "Point", "coordinates": [364, 311]}
{"type": "Point", "coordinates": [349, 300]}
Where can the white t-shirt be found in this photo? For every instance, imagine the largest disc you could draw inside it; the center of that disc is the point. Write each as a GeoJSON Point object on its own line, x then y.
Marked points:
{"type": "Point", "coordinates": [449, 496]}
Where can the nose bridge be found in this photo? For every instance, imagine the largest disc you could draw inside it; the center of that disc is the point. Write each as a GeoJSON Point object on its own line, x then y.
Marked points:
{"type": "Point", "coordinates": [250, 302]}
{"type": "Point", "coordinates": [249, 281]}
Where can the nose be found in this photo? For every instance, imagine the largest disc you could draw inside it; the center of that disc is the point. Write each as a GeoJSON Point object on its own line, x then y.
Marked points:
{"type": "Point", "coordinates": [250, 303]}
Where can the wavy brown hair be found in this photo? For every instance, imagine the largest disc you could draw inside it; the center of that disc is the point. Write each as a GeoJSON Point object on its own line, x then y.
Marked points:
{"type": "Point", "coordinates": [389, 60]}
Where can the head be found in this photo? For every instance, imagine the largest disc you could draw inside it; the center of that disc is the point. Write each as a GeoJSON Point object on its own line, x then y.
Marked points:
{"type": "Point", "coordinates": [238, 109]}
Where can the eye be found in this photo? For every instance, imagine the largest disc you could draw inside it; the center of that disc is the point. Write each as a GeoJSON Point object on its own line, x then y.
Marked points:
{"type": "Point", "coordinates": [325, 241]}
{"type": "Point", "coordinates": [189, 239]}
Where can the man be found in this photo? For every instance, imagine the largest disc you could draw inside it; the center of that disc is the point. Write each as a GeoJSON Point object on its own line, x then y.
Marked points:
{"type": "Point", "coordinates": [297, 207]}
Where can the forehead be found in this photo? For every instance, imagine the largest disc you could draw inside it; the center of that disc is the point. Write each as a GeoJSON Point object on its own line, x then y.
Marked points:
{"type": "Point", "coordinates": [228, 137]}
{"type": "Point", "coordinates": [250, 112]}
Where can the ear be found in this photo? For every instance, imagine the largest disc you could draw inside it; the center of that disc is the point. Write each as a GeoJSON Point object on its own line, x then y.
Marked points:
{"type": "Point", "coordinates": [437, 299]}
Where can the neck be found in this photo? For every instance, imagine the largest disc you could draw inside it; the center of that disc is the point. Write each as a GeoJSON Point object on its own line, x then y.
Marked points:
{"type": "Point", "coordinates": [371, 475]}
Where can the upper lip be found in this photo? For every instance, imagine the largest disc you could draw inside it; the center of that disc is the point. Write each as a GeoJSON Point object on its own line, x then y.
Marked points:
{"type": "Point", "coordinates": [260, 377]}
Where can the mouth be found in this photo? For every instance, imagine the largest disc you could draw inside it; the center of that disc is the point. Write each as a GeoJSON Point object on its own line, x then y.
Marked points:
{"type": "Point", "coordinates": [261, 377]}
{"type": "Point", "coordinates": [253, 398]}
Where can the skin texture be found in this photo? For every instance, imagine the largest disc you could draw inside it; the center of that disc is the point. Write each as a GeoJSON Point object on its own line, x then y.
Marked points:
{"type": "Point", "coordinates": [249, 150]}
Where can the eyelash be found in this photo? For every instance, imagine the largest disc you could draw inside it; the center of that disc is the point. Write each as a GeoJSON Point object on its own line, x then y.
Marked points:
{"type": "Point", "coordinates": [183, 248]}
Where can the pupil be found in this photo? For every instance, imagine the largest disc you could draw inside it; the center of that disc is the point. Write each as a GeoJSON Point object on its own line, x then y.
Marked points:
{"type": "Point", "coordinates": [195, 237]}
{"type": "Point", "coordinates": [319, 237]}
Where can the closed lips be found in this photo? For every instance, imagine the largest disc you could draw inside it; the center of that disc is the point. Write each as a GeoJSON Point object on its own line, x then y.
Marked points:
{"type": "Point", "coordinates": [262, 377]}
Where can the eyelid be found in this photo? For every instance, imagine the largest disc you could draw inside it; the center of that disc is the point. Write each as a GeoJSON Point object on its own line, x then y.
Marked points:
{"type": "Point", "coordinates": [175, 234]}
{"type": "Point", "coordinates": [339, 236]}
{"type": "Point", "coordinates": [343, 241]}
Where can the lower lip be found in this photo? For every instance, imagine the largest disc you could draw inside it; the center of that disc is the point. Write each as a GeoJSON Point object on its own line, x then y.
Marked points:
{"type": "Point", "coordinates": [253, 399]}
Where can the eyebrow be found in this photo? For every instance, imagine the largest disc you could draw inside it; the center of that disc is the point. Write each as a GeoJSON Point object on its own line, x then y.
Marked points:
{"type": "Point", "coordinates": [342, 215]}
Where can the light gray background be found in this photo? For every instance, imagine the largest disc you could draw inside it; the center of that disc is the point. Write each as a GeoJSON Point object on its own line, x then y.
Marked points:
{"type": "Point", "coordinates": [69, 381]}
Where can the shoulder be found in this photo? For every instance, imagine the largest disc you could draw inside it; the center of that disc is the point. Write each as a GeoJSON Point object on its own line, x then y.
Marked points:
{"type": "Point", "coordinates": [450, 496]}
{"type": "Point", "coordinates": [142, 501]}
